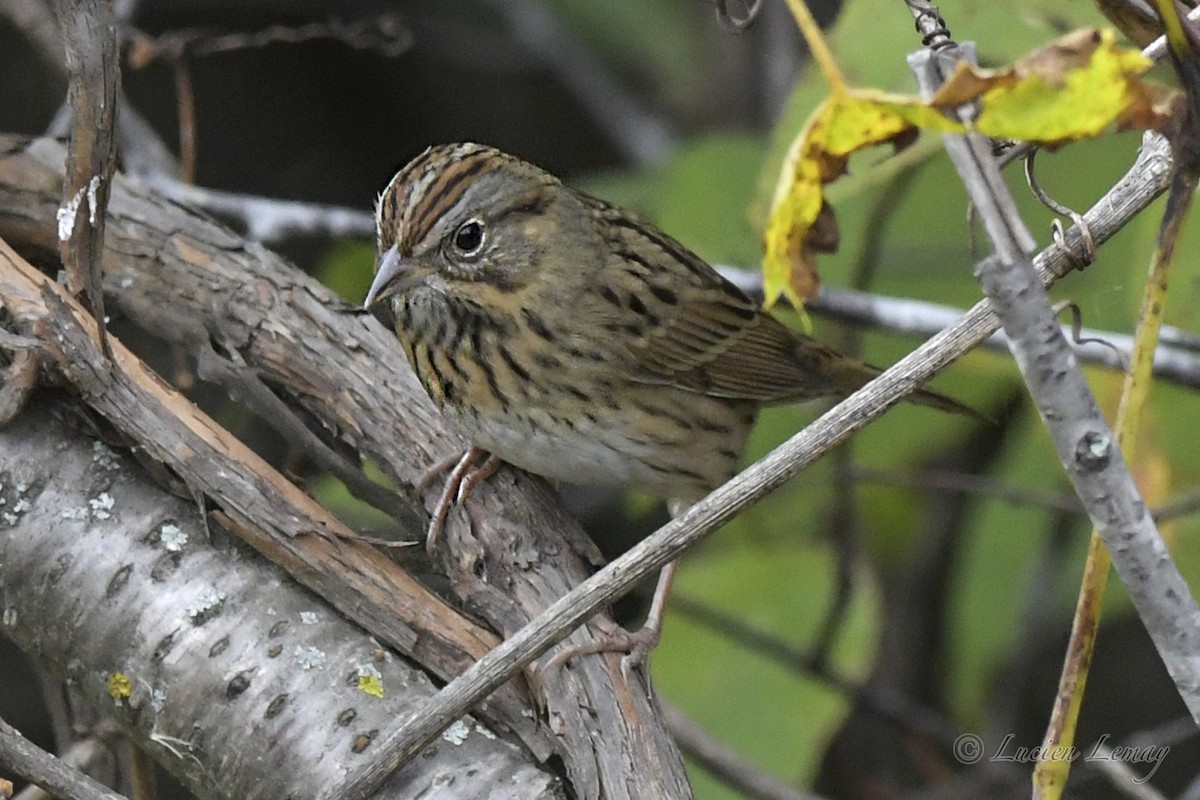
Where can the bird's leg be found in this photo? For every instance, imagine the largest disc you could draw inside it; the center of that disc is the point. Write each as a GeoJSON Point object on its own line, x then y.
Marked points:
{"type": "Point", "coordinates": [478, 475]}
{"type": "Point", "coordinates": [636, 644]}
{"type": "Point", "coordinates": [467, 472]}
{"type": "Point", "coordinates": [646, 638]}
{"type": "Point", "coordinates": [435, 469]}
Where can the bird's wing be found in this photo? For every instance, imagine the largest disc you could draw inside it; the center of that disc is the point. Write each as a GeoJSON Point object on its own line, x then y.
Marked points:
{"type": "Point", "coordinates": [687, 326]}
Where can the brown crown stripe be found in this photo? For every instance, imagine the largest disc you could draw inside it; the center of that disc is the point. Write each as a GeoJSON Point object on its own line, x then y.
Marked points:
{"type": "Point", "coordinates": [389, 205]}
{"type": "Point", "coordinates": [451, 184]}
{"type": "Point", "coordinates": [415, 178]}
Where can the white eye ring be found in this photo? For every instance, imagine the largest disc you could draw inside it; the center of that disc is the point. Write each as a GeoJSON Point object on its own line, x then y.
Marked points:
{"type": "Point", "coordinates": [469, 238]}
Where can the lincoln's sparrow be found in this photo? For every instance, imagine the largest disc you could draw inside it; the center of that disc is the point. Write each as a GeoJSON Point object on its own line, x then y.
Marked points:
{"type": "Point", "coordinates": [562, 335]}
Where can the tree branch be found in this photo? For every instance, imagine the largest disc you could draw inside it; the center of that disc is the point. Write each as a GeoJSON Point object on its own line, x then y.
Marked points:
{"type": "Point", "coordinates": [640, 135]}
{"type": "Point", "coordinates": [1085, 443]}
{"type": "Point", "coordinates": [194, 283]}
{"type": "Point", "coordinates": [240, 682]}
{"type": "Point", "coordinates": [89, 35]}
{"type": "Point", "coordinates": [37, 766]}
{"type": "Point", "coordinates": [726, 764]}
{"type": "Point", "coordinates": [265, 219]}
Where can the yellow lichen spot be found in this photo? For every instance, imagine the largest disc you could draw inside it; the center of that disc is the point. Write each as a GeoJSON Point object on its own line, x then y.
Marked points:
{"type": "Point", "coordinates": [370, 684]}
{"type": "Point", "coordinates": [120, 686]}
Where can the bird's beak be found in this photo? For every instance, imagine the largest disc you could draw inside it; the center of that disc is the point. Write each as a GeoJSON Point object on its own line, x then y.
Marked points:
{"type": "Point", "coordinates": [391, 267]}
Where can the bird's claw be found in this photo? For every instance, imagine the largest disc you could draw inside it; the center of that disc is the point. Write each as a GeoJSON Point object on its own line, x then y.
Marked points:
{"type": "Point", "coordinates": [472, 467]}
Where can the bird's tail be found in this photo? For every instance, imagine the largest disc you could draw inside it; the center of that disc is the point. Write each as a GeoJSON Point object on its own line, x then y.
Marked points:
{"type": "Point", "coordinates": [849, 375]}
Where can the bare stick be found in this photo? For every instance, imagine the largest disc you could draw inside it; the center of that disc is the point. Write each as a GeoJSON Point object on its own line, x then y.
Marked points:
{"type": "Point", "coordinates": [1085, 443]}
{"type": "Point", "coordinates": [726, 764]}
{"type": "Point", "coordinates": [89, 34]}
{"type": "Point", "coordinates": [267, 220]}
{"type": "Point", "coordinates": [641, 136]}
{"type": "Point", "coordinates": [35, 765]}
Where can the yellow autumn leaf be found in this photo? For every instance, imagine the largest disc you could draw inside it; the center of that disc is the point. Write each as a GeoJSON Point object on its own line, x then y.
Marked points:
{"type": "Point", "coordinates": [1077, 87]}
{"type": "Point", "coordinates": [802, 222]}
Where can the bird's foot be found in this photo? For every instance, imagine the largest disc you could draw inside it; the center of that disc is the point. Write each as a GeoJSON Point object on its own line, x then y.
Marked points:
{"type": "Point", "coordinates": [636, 645]}
{"type": "Point", "coordinates": [472, 467]}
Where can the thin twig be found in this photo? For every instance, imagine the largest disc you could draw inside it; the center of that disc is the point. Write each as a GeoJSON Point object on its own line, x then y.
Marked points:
{"type": "Point", "coordinates": [1177, 507]}
{"type": "Point", "coordinates": [948, 481]}
{"type": "Point", "coordinates": [266, 220]}
{"type": "Point", "coordinates": [185, 98]}
{"type": "Point", "coordinates": [887, 705]}
{"type": "Point", "coordinates": [1121, 776]}
{"type": "Point", "coordinates": [143, 152]}
{"type": "Point", "coordinates": [35, 20]}
{"type": "Point", "coordinates": [142, 774]}
{"type": "Point", "coordinates": [35, 765]}
{"type": "Point", "coordinates": [1153, 745]}
{"type": "Point", "coordinates": [737, 22]}
{"type": "Point", "coordinates": [385, 34]}
{"type": "Point", "coordinates": [82, 755]}
{"type": "Point", "coordinates": [1085, 443]}
{"type": "Point", "coordinates": [641, 135]}
{"type": "Point", "coordinates": [937, 480]}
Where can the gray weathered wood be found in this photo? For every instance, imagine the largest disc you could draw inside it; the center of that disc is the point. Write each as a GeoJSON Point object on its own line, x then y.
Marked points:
{"type": "Point", "coordinates": [239, 681]}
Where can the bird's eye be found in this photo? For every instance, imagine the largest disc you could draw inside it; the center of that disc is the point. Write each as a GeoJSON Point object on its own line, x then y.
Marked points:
{"type": "Point", "coordinates": [468, 239]}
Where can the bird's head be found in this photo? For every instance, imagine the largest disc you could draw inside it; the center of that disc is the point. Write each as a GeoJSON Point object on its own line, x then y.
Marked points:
{"type": "Point", "coordinates": [463, 224]}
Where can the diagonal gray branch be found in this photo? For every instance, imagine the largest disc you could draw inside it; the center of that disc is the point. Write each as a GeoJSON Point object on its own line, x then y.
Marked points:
{"type": "Point", "coordinates": [25, 759]}
{"type": "Point", "coordinates": [1085, 443]}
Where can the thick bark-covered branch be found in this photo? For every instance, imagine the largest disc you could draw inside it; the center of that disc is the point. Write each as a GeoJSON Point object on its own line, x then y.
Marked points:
{"type": "Point", "coordinates": [195, 284]}
{"type": "Point", "coordinates": [89, 34]}
{"type": "Point", "coordinates": [238, 680]}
